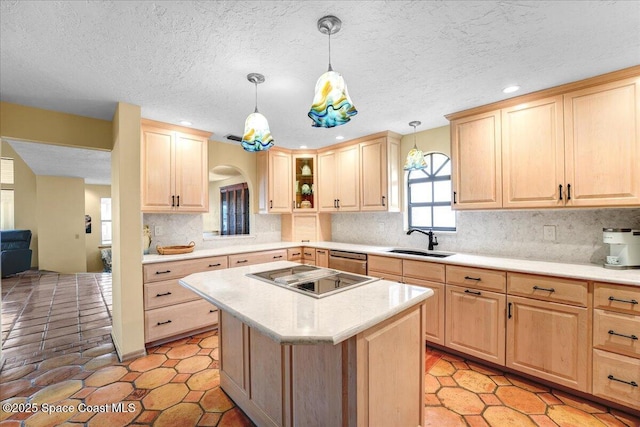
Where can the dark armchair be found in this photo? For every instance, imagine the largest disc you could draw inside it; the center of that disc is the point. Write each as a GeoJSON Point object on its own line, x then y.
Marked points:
{"type": "Point", "coordinates": [16, 255]}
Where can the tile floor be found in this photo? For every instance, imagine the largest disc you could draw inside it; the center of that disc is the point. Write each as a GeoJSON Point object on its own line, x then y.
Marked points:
{"type": "Point", "coordinates": [177, 384]}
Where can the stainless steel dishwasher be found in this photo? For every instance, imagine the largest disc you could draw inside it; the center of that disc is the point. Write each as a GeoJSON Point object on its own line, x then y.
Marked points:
{"type": "Point", "coordinates": [351, 262]}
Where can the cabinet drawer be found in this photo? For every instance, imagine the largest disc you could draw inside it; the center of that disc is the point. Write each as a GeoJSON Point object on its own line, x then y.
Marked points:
{"type": "Point", "coordinates": [625, 299]}
{"type": "Point", "coordinates": [479, 278]}
{"type": "Point", "coordinates": [176, 319]}
{"type": "Point", "coordinates": [617, 332]}
{"type": "Point", "coordinates": [609, 372]}
{"type": "Point", "coordinates": [548, 288]}
{"type": "Point", "coordinates": [251, 258]}
{"type": "Point", "coordinates": [309, 254]}
{"type": "Point", "coordinates": [423, 270]}
{"type": "Point", "coordinates": [179, 269]}
{"type": "Point", "coordinates": [294, 254]}
{"type": "Point", "coordinates": [385, 264]}
{"type": "Point", "coordinates": [167, 292]}
{"type": "Point", "coordinates": [385, 276]}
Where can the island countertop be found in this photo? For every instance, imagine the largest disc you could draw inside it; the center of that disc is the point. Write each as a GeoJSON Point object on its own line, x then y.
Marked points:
{"type": "Point", "coordinates": [289, 317]}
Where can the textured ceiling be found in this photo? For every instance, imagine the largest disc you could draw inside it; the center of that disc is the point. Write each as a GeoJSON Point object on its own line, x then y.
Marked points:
{"type": "Point", "coordinates": [402, 60]}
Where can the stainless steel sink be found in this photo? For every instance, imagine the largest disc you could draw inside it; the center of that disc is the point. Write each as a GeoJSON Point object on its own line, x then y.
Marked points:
{"type": "Point", "coordinates": [418, 252]}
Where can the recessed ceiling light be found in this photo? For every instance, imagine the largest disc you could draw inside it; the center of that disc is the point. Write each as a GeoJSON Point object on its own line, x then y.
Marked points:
{"type": "Point", "coordinates": [303, 146]}
{"type": "Point", "coordinates": [511, 89]}
{"type": "Point", "coordinates": [340, 137]}
{"type": "Point", "coordinates": [185, 123]}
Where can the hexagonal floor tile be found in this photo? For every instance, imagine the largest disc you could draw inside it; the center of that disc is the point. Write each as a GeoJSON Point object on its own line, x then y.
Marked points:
{"type": "Point", "coordinates": [193, 364]}
{"type": "Point", "coordinates": [521, 400]}
{"type": "Point", "coordinates": [182, 414]}
{"type": "Point", "coordinates": [106, 375]}
{"type": "Point", "coordinates": [165, 396]}
{"type": "Point", "coordinates": [216, 400]}
{"type": "Point", "coordinates": [204, 380]}
{"type": "Point", "coordinates": [57, 392]}
{"type": "Point", "coordinates": [504, 416]}
{"type": "Point", "coordinates": [461, 401]}
{"type": "Point", "coordinates": [155, 378]}
{"type": "Point", "coordinates": [112, 393]}
{"type": "Point", "coordinates": [442, 417]}
{"type": "Point", "coordinates": [147, 363]}
{"type": "Point", "coordinates": [183, 351]}
{"type": "Point", "coordinates": [442, 368]}
{"type": "Point", "coordinates": [474, 381]}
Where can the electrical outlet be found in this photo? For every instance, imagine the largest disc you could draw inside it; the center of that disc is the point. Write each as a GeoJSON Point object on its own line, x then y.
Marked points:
{"type": "Point", "coordinates": [549, 232]}
{"type": "Point", "coordinates": [158, 231]}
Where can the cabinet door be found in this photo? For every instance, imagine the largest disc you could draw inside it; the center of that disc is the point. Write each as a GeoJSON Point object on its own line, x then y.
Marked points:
{"type": "Point", "coordinates": [348, 178]}
{"type": "Point", "coordinates": [192, 175]}
{"type": "Point", "coordinates": [602, 144]}
{"type": "Point", "coordinates": [373, 175]}
{"type": "Point", "coordinates": [304, 184]}
{"type": "Point", "coordinates": [326, 191]}
{"type": "Point", "coordinates": [533, 154]}
{"type": "Point", "coordinates": [477, 168]}
{"type": "Point", "coordinates": [435, 310]}
{"type": "Point", "coordinates": [549, 341]}
{"type": "Point", "coordinates": [279, 182]}
{"type": "Point", "coordinates": [157, 169]}
{"type": "Point", "coordinates": [475, 323]}
{"type": "Point", "coordinates": [322, 258]}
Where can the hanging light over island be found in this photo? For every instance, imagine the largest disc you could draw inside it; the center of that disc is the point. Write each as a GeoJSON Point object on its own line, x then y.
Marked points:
{"type": "Point", "coordinates": [332, 105]}
{"type": "Point", "coordinates": [257, 136]}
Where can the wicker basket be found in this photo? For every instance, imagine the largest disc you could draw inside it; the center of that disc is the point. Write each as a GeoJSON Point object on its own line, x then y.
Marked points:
{"type": "Point", "coordinates": [178, 249]}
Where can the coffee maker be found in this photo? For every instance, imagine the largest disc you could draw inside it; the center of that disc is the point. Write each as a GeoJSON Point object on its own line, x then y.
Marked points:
{"type": "Point", "coordinates": [624, 248]}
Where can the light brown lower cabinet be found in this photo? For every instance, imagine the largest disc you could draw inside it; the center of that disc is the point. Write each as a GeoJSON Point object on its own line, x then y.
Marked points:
{"type": "Point", "coordinates": [475, 322]}
{"type": "Point", "coordinates": [322, 258]}
{"type": "Point", "coordinates": [549, 340]}
{"type": "Point", "coordinates": [617, 378]}
{"type": "Point", "coordinates": [373, 378]}
{"type": "Point", "coordinates": [435, 309]}
{"type": "Point", "coordinates": [176, 319]}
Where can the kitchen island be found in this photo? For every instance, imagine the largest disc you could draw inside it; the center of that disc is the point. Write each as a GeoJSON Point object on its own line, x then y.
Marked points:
{"type": "Point", "coordinates": [354, 358]}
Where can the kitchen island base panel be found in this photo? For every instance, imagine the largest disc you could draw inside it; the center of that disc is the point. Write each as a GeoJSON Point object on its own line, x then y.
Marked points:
{"type": "Point", "coordinates": [346, 384]}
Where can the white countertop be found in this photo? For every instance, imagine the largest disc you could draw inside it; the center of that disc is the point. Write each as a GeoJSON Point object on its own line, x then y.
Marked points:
{"type": "Point", "coordinates": [573, 271]}
{"type": "Point", "coordinates": [289, 317]}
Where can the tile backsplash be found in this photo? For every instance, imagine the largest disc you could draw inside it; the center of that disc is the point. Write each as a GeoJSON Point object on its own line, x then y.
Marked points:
{"type": "Point", "coordinates": [516, 234]}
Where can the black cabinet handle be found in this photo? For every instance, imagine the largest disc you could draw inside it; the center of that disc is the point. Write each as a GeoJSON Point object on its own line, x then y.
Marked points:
{"type": "Point", "coordinates": [631, 383]}
{"type": "Point", "coordinates": [477, 279]}
{"type": "Point", "coordinates": [509, 310]}
{"type": "Point", "coordinates": [173, 201]}
{"type": "Point", "coordinates": [240, 261]}
{"type": "Point", "coordinates": [335, 203]}
{"type": "Point", "coordinates": [308, 254]}
{"type": "Point", "coordinates": [277, 256]}
{"type": "Point", "coordinates": [338, 200]}
{"type": "Point", "coordinates": [163, 295]}
{"type": "Point", "coordinates": [163, 272]}
{"type": "Point", "coordinates": [454, 197]}
{"type": "Point", "coordinates": [164, 323]}
{"type": "Point", "coordinates": [631, 337]}
{"type": "Point", "coordinates": [560, 188]}
{"type": "Point", "coordinates": [296, 254]}
{"type": "Point", "coordinates": [178, 201]}
{"type": "Point", "coordinates": [321, 252]}
{"type": "Point", "coordinates": [215, 265]}
{"type": "Point", "coordinates": [467, 291]}
{"type": "Point", "coordinates": [212, 311]}
{"type": "Point", "coordinates": [383, 201]}
{"type": "Point", "coordinates": [538, 288]}
{"type": "Point", "coordinates": [270, 204]}
{"type": "Point", "coordinates": [568, 191]}
{"type": "Point", "coordinates": [629, 301]}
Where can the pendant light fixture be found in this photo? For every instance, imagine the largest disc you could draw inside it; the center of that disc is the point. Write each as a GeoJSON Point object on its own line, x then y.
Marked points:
{"type": "Point", "coordinates": [415, 158]}
{"type": "Point", "coordinates": [257, 136]}
{"type": "Point", "coordinates": [332, 105]}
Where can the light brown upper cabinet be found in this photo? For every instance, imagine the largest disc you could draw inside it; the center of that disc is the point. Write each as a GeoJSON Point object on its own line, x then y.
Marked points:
{"type": "Point", "coordinates": [476, 155]}
{"type": "Point", "coordinates": [533, 154]}
{"type": "Point", "coordinates": [274, 181]}
{"type": "Point", "coordinates": [379, 174]}
{"type": "Point", "coordinates": [575, 145]}
{"type": "Point", "coordinates": [602, 144]}
{"type": "Point", "coordinates": [174, 174]}
{"type": "Point", "coordinates": [339, 179]}
{"type": "Point", "coordinates": [305, 171]}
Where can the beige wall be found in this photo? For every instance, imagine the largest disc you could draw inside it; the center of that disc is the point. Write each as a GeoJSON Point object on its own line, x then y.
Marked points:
{"type": "Point", "coordinates": [128, 307]}
{"type": "Point", "coordinates": [92, 196]}
{"type": "Point", "coordinates": [61, 232]}
{"type": "Point", "coordinates": [221, 153]}
{"type": "Point", "coordinates": [52, 127]}
{"type": "Point", "coordinates": [25, 212]}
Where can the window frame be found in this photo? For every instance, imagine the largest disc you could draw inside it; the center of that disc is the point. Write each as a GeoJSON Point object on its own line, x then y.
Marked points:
{"type": "Point", "coordinates": [104, 242]}
{"type": "Point", "coordinates": [428, 178]}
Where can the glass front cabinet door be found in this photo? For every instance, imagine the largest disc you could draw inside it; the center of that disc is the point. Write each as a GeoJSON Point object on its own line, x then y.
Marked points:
{"type": "Point", "coordinates": [304, 184]}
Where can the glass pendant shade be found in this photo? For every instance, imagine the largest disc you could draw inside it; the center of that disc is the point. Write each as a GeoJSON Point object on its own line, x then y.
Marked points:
{"type": "Point", "coordinates": [415, 158]}
{"type": "Point", "coordinates": [257, 136]}
{"type": "Point", "coordinates": [332, 105]}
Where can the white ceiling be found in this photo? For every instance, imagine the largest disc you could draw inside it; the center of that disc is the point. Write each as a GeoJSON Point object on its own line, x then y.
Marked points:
{"type": "Point", "coordinates": [402, 60]}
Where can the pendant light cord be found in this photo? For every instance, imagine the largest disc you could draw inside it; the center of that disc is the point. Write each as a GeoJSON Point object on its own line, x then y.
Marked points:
{"type": "Point", "coordinates": [414, 137]}
{"type": "Point", "coordinates": [330, 68]}
{"type": "Point", "coordinates": [256, 110]}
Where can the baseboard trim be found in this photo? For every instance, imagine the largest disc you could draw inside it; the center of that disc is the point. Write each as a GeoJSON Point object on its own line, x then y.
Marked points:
{"type": "Point", "coordinates": [124, 357]}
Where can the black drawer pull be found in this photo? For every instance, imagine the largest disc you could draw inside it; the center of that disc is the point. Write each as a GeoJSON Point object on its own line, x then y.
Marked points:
{"type": "Point", "coordinates": [467, 291]}
{"type": "Point", "coordinates": [212, 311]}
{"type": "Point", "coordinates": [568, 191]}
{"type": "Point", "coordinates": [631, 337]}
{"type": "Point", "coordinates": [215, 265]}
{"type": "Point", "coordinates": [296, 254]}
{"type": "Point", "coordinates": [321, 252]}
{"type": "Point", "coordinates": [509, 316]}
{"type": "Point", "coordinates": [477, 279]}
{"type": "Point", "coordinates": [383, 201]}
{"type": "Point", "coordinates": [631, 383]}
{"type": "Point", "coordinates": [560, 188]}
{"type": "Point", "coordinates": [629, 301]}
{"type": "Point", "coordinates": [164, 323]}
{"type": "Point", "coordinates": [308, 254]}
{"type": "Point", "coordinates": [163, 295]}
{"type": "Point", "coordinates": [178, 197]}
{"type": "Point", "coordinates": [277, 256]}
{"type": "Point", "coordinates": [455, 193]}
{"type": "Point", "coordinates": [538, 288]}
{"type": "Point", "coordinates": [240, 261]}
{"type": "Point", "coordinates": [163, 272]}
{"type": "Point", "coordinates": [173, 201]}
